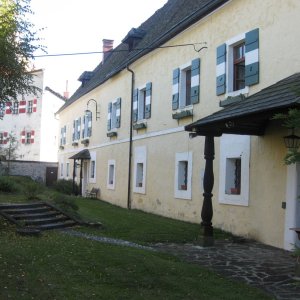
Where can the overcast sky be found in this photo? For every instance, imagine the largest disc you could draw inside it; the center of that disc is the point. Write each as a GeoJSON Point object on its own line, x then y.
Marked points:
{"type": "Point", "coordinates": [80, 26]}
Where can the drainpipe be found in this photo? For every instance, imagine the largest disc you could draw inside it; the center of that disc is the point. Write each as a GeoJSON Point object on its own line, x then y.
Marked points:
{"type": "Point", "coordinates": [130, 139]}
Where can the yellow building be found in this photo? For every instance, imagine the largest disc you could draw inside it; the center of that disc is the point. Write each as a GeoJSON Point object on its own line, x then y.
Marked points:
{"type": "Point", "coordinates": [188, 61]}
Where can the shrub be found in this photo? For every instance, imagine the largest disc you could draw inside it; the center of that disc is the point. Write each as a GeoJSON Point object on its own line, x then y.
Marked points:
{"type": "Point", "coordinates": [7, 185]}
{"type": "Point", "coordinates": [65, 186]}
{"type": "Point", "coordinates": [65, 204]}
{"type": "Point", "coordinates": [32, 189]}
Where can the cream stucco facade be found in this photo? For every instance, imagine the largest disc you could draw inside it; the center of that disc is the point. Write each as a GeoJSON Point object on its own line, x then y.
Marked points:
{"type": "Point", "coordinates": [163, 154]}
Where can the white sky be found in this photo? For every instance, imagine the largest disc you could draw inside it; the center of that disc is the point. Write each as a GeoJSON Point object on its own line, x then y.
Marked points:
{"type": "Point", "coordinates": [79, 26]}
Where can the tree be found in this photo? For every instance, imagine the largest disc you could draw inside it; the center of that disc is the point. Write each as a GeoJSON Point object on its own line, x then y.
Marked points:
{"type": "Point", "coordinates": [291, 120]}
{"type": "Point", "coordinates": [18, 42]}
{"type": "Point", "coordinates": [10, 151]}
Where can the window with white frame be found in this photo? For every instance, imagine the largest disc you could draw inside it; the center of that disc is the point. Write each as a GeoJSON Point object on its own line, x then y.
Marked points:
{"type": "Point", "coordinates": [63, 132]}
{"type": "Point", "coordinates": [76, 129]}
{"type": "Point", "coordinates": [67, 170]}
{"type": "Point", "coordinates": [114, 115]}
{"type": "Point", "coordinates": [183, 175]}
{"type": "Point", "coordinates": [140, 166]}
{"type": "Point", "coordinates": [238, 64]}
{"type": "Point", "coordinates": [30, 106]}
{"type": "Point", "coordinates": [111, 174]}
{"type": "Point", "coordinates": [15, 107]}
{"type": "Point", "coordinates": [186, 85]}
{"type": "Point", "coordinates": [142, 102]}
{"type": "Point", "coordinates": [87, 125]}
{"type": "Point", "coordinates": [234, 169]}
{"type": "Point", "coordinates": [61, 170]}
{"type": "Point", "coordinates": [93, 167]}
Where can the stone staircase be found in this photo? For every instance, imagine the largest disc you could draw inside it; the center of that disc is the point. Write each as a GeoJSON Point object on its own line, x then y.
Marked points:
{"type": "Point", "coordinates": [36, 217]}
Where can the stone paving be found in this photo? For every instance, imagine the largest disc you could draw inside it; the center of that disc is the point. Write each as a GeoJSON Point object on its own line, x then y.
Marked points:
{"type": "Point", "coordinates": [262, 266]}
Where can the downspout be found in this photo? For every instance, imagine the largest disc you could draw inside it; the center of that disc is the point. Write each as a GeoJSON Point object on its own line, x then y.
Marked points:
{"type": "Point", "coordinates": [130, 139]}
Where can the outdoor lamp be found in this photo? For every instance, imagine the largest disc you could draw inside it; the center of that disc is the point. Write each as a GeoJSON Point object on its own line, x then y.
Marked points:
{"type": "Point", "coordinates": [88, 111]}
{"type": "Point", "coordinates": [292, 141]}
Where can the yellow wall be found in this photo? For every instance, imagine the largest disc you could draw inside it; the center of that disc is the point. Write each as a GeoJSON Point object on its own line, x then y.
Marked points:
{"type": "Point", "coordinates": [263, 219]}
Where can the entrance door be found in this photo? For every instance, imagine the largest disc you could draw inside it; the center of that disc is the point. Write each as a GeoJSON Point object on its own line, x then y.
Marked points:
{"type": "Point", "coordinates": [292, 213]}
{"type": "Point", "coordinates": [85, 177]}
{"type": "Point", "coordinates": [51, 175]}
{"type": "Point", "coordinates": [297, 210]}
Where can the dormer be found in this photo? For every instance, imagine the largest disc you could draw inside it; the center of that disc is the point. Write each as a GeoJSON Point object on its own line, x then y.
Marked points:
{"type": "Point", "coordinates": [133, 37]}
{"type": "Point", "coordinates": [85, 77]}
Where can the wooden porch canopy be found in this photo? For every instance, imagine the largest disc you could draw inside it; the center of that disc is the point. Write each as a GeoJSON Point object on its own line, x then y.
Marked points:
{"type": "Point", "coordinates": [251, 115]}
{"type": "Point", "coordinates": [248, 116]}
{"type": "Point", "coordinates": [82, 155]}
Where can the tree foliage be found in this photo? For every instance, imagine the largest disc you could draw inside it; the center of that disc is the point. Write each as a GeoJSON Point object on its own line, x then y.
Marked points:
{"type": "Point", "coordinates": [291, 120]}
{"type": "Point", "coordinates": [18, 42]}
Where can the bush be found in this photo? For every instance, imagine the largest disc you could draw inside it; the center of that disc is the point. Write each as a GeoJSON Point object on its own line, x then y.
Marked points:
{"type": "Point", "coordinates": [32, 189]}
{"type": "Point", "coordinates": [66, 205]}
{"type": "Point", "coordinates": [65, 186]}
{"type": "Point", "coordinates": [7, 185]}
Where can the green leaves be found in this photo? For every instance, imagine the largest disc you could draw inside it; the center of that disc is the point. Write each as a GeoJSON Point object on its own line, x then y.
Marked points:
{"type": "Point", "coordinates": [18, 42]}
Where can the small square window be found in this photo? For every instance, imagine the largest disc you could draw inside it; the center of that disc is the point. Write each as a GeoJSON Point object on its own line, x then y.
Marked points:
{"type": "Point", "coordinates": [233, 176]}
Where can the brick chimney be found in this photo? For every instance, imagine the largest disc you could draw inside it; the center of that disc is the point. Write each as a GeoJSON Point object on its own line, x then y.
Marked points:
{"type": "Point", "coordinates": [108, 45]}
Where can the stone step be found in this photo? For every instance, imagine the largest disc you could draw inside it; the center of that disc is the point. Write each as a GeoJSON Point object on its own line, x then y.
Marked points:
{"type": "Point", "coordinates": [15, 211]}
{"type": "Point", "coordinates": [20, 205]}
{"type": "Point", "coordinates": [35, 222]}
{"type": "Point", "coordinates": [56, 225]}
{"type": "Point", "coordinates": [25, 217]}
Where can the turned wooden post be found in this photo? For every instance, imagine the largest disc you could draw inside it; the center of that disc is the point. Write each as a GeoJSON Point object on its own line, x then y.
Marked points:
{"type": "Point", "coordinates": [74, 174]}
{"type": "Point", "coordinates": [80, 181]}
{"type": "Point", "coordinates": [208, 183]}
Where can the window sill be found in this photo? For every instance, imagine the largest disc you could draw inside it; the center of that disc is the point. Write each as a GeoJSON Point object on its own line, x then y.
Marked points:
{"type": "Point", "coordinates": [141, 125]}
{"type": "Point", "coordinates": [232, 99]}
{"type": "Point", "coordinates": [111, 134]}
{"type": "Point", "coordinates": [74, 144]}
{"type": "Point", "coordinates": [85, 142]}
{"type": "Point", "coordinates": [237, 93]}
{"type": "Point", "coordinates": [183, 113]}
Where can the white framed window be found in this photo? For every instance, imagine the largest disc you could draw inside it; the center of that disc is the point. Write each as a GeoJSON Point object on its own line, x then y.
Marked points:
{"type": "Point", "coordinates": [142, 102]}
{"type": "Point", "coordinates": [238, 64]}
{"type": "Point", "coordinates": [186, 85]}
{"type": "Point", "coordinates": [30, 106]}
{"type": "Point", "coordinates": [61, 170]}
{"type": "Point", "coordinates": [87, 125]}
{"type": "Point", "coordinates": [140, 167]}
{"type": "Point", "coordinates": [67, 169]}
{"type": "Point", "coordinates": [111, 174]}
{"type": "Point", "coordinates": [93, 167]}
{"type": "Point", "coordinates": [114, 114]}
{"type": "Point", "coordinates": [15, 108]}
{"type": "Point", "coordinates": [183, 175]}
{"type": "Point", "coordinates": [234, 169]}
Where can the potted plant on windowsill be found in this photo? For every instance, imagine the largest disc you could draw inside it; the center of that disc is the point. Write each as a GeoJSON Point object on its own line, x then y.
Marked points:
{"type": "Point", "coordinates": [61, 147]}
{"type": "Point", "coordinates": [235, 191]}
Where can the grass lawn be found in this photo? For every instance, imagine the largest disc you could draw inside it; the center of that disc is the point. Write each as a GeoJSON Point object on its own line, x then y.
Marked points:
{"type": "Point", "coordinates": [59, 266]}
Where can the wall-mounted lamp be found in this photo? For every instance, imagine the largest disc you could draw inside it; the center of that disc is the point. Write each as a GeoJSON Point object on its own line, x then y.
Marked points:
{"type": "Point", "coordinates": [292, 141]}
{"type": "Point", "coordinates": [88, 111]}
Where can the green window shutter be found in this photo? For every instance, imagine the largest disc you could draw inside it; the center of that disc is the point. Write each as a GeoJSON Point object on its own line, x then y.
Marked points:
{"type": "Point", "coordinates": [109, 116]}
{"type": "Point", "coordinates": [148, 100]}
{"type": "Point", "coordinates": [221, 70]}
{"type": "Point", "coordinates": [195, 81]}
{"type": "Point", "coordinates": [175, 89]}
{"type": "Point", "coordinates": [135, 105]}
{"type": "Point", "coordinates": [118, 113]}
{"type": "Point", "coordinates": [252, 57]}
